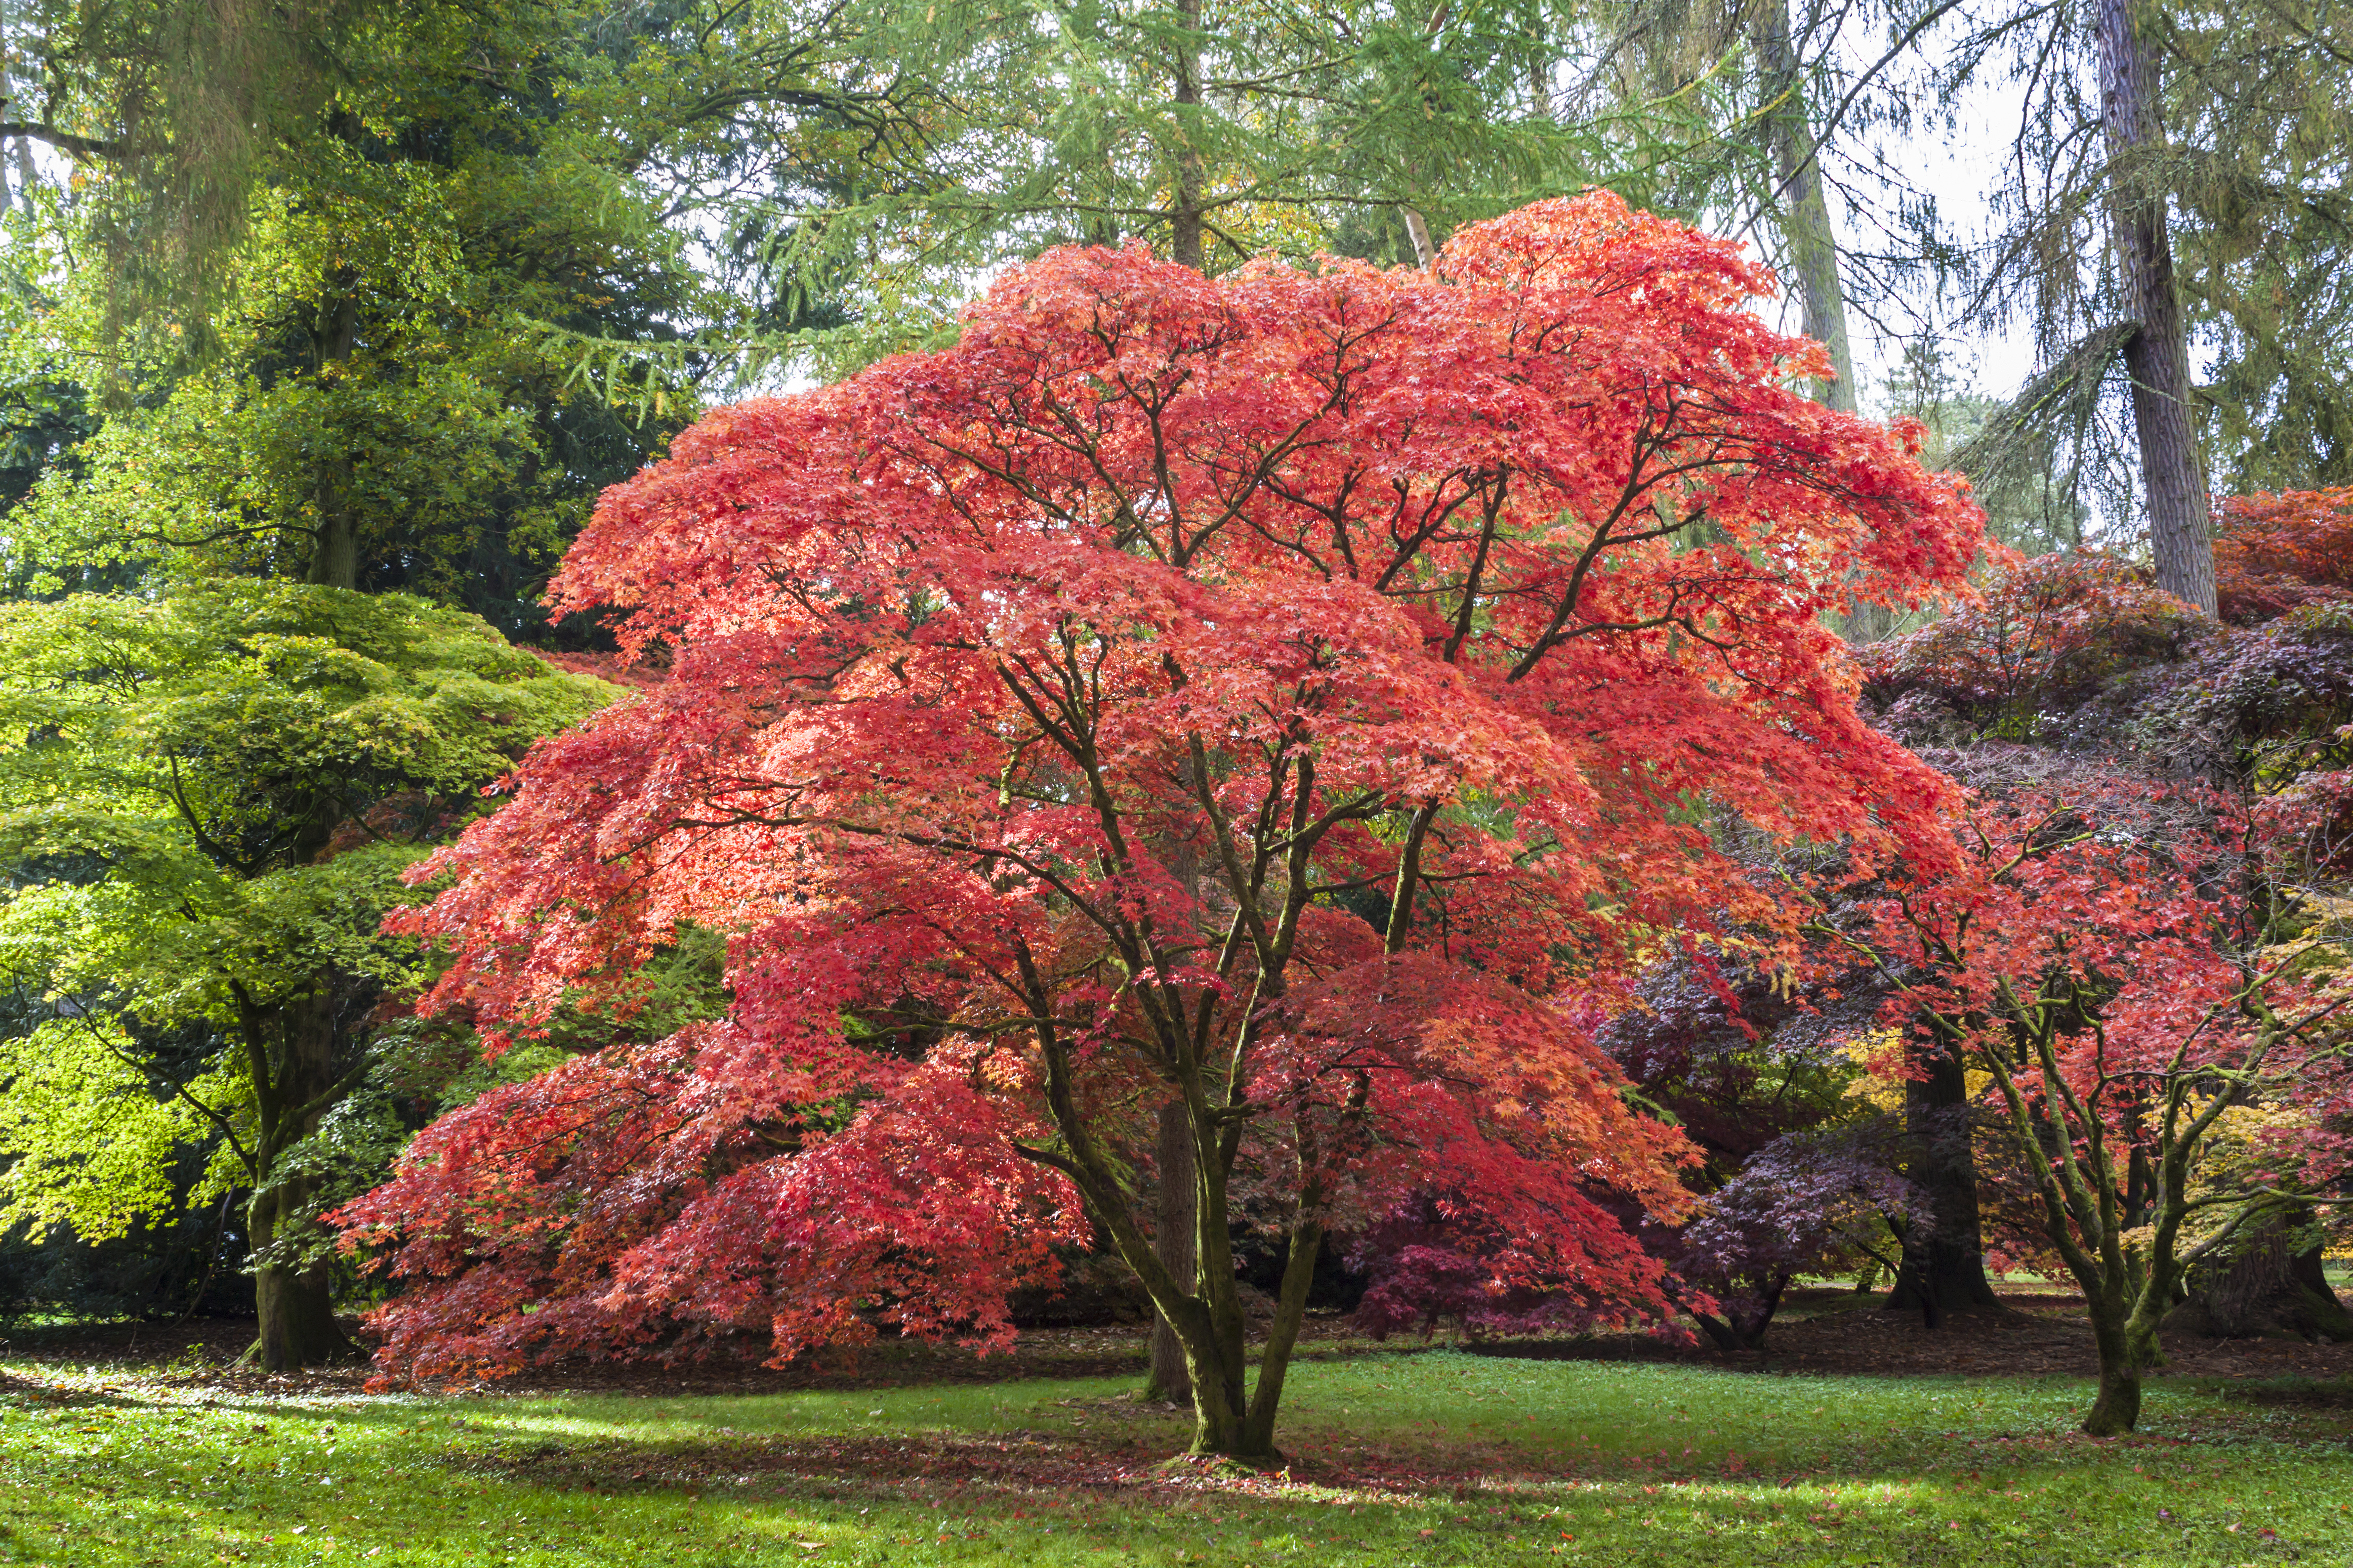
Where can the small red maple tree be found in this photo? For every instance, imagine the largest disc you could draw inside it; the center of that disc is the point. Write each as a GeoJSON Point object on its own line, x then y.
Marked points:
{"type": "Point", "coordinates": [1296, 696]}
{"type": "Point", "coordinates": [2165, 1038]}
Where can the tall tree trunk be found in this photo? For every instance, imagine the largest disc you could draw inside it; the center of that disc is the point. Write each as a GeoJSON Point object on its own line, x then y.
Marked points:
{"type": "Point", "coordinates": [335, 558]}
{"type": "Point", "coordinates": [1944, 1269]}
{"type": "Point", "coordinates": [1803, 210]}
{"type": "Point", "coordinates": [1808, 238]}
{"type": "Point", "coordinates": [2157, 357]}
{"type": "Point", "coordinates": [1185, 247]}
{"type": "Point", "coordinates": [295, 1084]}
{"type": "Point", "coordinates": [17, 150]}
{"type": "Point", "coordinates": [1179, 1217]}
{"type": "Point", "coordinates": [1178, 1203]}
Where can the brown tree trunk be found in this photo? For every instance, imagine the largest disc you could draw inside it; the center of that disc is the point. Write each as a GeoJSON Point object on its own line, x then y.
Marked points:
{"type": "Point", "coordinates": [2266, 1285]}
{"type": "Point", "coordinates": [296, 1305]}
{"type": "Point", "coordinates": [1185, 247]}
{"type": "Point", "coordinates": [1944, 1269]}
{"type": "Point", "coordinates": [296, 1084]}
{"type": "Point", "coordinates": [2157, 357]}
{"type": "Point", "coordinates": [1178, 1196]}
{"type": "Point", "coordinates": [1179, 1217]}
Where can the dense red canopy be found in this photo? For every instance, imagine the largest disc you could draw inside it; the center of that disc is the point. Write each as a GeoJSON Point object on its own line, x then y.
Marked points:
{"type": "Point", "coordinates": [1299, 693]}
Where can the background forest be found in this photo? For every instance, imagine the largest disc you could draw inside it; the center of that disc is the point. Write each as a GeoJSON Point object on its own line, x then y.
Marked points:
{"type": "Point", "coordinates": [324, 327]}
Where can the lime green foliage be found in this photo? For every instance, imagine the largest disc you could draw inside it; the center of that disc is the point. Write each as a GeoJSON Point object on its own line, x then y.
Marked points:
{"type": "Point", "coordinates": [93, 1146]}
{"type": "Point", "coordinates": [1401, 1460]}
{"type": "Point", "coordinates": [208, 799]}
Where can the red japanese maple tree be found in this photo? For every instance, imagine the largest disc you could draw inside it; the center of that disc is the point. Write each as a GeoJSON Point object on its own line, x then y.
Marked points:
{"type": "Point", "coordinates": [2164, 1033]}
{"type": "Point", "coordinates": [1297, 696]}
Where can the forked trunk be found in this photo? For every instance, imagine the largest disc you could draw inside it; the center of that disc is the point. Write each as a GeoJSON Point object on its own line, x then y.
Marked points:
{"type": "Point", "coordinates": [2126, 1338]}
{"type": "Point", "coordinates": [1222, 1424]}
{"type": "Point", "coordinates": [1742, 1327]}
{"type": "Point", "coordinates": [1232, 1419]}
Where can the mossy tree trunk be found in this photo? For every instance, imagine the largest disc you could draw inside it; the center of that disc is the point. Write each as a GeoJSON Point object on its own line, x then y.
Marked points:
{"type": "Point", "coordinates": [291, 1051]}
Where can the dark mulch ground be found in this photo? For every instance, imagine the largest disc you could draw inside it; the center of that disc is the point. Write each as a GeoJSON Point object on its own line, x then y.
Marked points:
{"type": "Point", "coordinates": [2040, 1331]}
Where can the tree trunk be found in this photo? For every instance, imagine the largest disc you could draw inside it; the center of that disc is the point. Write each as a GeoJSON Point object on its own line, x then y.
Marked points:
{"type": "Point", "coordinates": [1185, 247]}
{"type": "Point", "coordinates": [1803, 209]}
{"type": "Point", "coordinates": [296, 1305]}
{"type": "Point", "coordinates": [2264, 1286]}
{"type": "Point", "coordinates": [2324, 1314]}
{"type": "Point", "coordinates": [296, 1084]}
{"type": "Point", "coordinates": [2157, 357]}
{"type": "Point", "coordinates": [335, 557]}
{"type": "Point", "coordinates": [2117, 1408]}
{"type": "Point", "coordinates": [1232, 1421]}
{"type": "Point", "coordinates": [1744, 1330]}
{"type": "Point", "coordinates": [1180, 1215]}
{"type": "Point", "coordinates": [1944, 1269]}
{"type": "Point", "coordinates": [1179, 1198]}
{"type": "Point", "coordinates": [1808, 238]}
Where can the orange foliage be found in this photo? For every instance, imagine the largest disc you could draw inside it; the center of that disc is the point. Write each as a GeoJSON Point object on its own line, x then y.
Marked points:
{"type": "Point", "coordinates": [2276, 552]}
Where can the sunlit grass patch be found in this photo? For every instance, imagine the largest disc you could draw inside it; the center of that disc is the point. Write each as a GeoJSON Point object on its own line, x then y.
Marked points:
{"type": "Point", "coordinates": [1440, 1457]}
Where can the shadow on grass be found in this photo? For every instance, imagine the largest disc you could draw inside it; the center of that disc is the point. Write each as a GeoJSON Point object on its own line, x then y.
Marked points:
{"type": "Point", "coordinates": [2309, 1393]}
{"type": "Point", "coordinates": [893, 1469]}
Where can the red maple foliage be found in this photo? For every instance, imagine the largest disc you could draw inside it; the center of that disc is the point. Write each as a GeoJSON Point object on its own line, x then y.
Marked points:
{"type": "Point", "coordinates": [2170, 1065]}
{"type": "Point", "coordinates": [1300, 695]}
{"type": "Point", "coordinates": [2048, 633]}
{"type": "Point", "coordinates": [2274, 553]}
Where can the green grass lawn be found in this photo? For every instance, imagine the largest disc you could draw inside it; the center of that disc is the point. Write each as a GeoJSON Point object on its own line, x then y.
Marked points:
{"type": "Point", "coordinates": [1432, 1457]}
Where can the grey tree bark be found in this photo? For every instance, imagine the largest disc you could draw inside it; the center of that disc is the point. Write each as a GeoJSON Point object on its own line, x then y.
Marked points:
{"type": "Point", "coordinates": [1803, 211]}
{"type": "Point", "coordinates": [2157, 357]}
